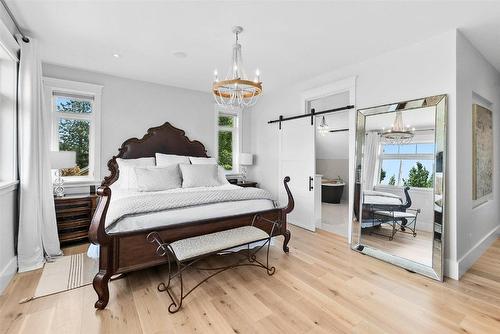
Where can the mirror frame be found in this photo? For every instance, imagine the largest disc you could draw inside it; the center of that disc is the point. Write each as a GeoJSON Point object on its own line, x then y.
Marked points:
{"type": "Point", "coordinates": [440, 102]}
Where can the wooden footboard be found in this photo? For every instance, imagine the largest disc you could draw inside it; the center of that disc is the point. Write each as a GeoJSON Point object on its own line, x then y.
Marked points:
{"type": "Point", "coordinates": [130, 251]}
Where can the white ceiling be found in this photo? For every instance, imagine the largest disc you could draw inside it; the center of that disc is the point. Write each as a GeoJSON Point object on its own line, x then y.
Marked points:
{"type": "Point", "coordinates": [288, 41]}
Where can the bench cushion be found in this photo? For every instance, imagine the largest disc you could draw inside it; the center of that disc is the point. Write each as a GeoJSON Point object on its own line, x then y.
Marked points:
{"type": "Point", "coordinates": [189, 248]}
{"type": "Point", "coordinates": [395, 214]}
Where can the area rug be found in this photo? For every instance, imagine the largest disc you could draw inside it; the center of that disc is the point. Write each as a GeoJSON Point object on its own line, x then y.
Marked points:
{"type": "Point", "coordinates": [65, 273]}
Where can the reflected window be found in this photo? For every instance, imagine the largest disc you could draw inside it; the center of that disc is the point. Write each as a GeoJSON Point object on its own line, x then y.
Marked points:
{"type": "Point", "coordinates": [409, 165]}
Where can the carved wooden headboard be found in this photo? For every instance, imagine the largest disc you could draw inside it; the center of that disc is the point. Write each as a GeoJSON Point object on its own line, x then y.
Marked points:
{"type": "Point", "coordinates": [165, 139]}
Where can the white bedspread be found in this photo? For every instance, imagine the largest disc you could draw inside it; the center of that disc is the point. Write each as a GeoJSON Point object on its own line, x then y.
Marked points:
{"type": "Point", "coordinates": [379, 197]}
{"type": "Point", "coordinates": [144, 206]}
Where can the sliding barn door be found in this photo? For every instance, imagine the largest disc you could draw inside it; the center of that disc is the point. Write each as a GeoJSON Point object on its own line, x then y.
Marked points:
{"type": "Point", "coordinates": [297, 160]}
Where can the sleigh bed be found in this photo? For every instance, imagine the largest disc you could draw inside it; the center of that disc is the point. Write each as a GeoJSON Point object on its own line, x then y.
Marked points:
{"type": "Point", "coordinates": [127, 249]}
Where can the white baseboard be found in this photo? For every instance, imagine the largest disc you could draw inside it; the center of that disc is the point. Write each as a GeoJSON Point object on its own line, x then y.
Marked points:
{"type": "Point", "coordinates": [466, 261]}
{"type": "Point", "coordinates": [8, 273]}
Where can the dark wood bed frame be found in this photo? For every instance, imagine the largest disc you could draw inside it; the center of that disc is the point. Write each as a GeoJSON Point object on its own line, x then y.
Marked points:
{"type": "Point", "coordinates": [130, 251]}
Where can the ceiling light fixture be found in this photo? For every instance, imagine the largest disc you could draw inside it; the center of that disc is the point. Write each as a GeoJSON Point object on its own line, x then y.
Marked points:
{"type": "Point", "coordinates": [236, 90]}
{"type": "Point", "coordinates": [398, 134]}
{"type": "Point", "coordinates": [116, 55]}
{"type": "Point", "coordinates": [323, 128]}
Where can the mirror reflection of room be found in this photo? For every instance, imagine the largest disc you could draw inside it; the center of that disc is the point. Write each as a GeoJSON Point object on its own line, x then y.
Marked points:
{"type": "Point", "coordinates": [332, 164]}
{"type": "Point", "coordinates": [398, 188]}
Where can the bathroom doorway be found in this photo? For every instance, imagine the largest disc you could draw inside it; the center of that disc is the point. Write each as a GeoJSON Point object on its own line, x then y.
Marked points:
{"type": "Point", "coordinates": [332, 164]}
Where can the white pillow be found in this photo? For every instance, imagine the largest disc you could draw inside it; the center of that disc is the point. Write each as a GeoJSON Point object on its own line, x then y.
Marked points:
{"type": "Point", "coordinates": [203, 161]}
{"type": "Point", "coordinates": [170, 159]}
{"type": "Point", "coordinates": [199, 176]}
{"type": "Point", "coordinates": [211, 161]}
{"type": "Point", "coordinates": [222, 175]}
{"type": "Point", "coordinates": [158, 178]}
{"type": "Point", "coordinates": [126, 176]}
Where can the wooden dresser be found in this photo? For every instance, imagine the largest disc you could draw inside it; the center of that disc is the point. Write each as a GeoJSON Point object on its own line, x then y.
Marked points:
{"type": "Point", "coordinates": [74, 213]}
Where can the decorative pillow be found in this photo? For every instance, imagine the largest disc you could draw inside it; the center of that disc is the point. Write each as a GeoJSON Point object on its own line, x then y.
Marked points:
{"type": "Point", "coordinates": [126, 177]}
{"type": "Point", "coordinates": [203, 161]}
{"type": "Point", "coordinates": [158, 178]}
{"type": "Point", "coordinates": [170, 159]}
{"type": "Point", "coordinates": [199, 176]}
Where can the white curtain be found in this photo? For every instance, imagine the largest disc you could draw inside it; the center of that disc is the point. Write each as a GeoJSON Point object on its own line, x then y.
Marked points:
{"type": "Point", "coordinates": [37, 237]}
{"type": "Point", "coordinates": [371, 155]}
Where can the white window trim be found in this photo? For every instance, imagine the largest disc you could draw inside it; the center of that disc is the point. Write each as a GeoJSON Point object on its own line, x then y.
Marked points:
{"type": "Point", "coordinates": [78, 88]}
{"type": "Point", "coordinates": [403, 156]}
{"type": "Point", "coordinates": [237, 133]}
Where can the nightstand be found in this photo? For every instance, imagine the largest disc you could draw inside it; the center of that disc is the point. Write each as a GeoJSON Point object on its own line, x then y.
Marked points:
{"type": "Point", "coordinates": [74, 214]}
{"type": "Point", "coordinates": [246, 184]}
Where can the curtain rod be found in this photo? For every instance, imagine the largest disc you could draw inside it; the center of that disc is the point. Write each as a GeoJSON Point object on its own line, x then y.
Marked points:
{"type": "Point", "coordinates": [312, 114]}
{"type": "Point", "coordinates": [7, 9]}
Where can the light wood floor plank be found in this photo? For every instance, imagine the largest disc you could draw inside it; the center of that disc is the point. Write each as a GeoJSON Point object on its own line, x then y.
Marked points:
{"type": "Point", "coordinates": [320, 287]}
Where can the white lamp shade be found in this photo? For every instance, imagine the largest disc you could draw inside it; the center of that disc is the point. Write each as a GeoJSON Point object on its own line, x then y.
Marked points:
{"type": "Point", "coordinates": [246, 159]}
{"type": "Point", "coordinates": [62, 159]}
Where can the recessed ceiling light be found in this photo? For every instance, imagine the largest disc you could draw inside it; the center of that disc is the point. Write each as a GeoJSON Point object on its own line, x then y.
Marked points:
{"type": "Point", "coordinates": [116, 55]}
{"type": "Point", "coordinates": [180, 54]}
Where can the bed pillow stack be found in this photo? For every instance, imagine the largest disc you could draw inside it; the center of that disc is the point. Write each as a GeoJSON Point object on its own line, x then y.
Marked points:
{"type": "Point", "coordinates": [169, 171]}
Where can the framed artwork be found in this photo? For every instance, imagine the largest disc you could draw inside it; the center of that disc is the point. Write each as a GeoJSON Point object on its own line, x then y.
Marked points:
{"type": "Point", "coordinates": [482, 152]}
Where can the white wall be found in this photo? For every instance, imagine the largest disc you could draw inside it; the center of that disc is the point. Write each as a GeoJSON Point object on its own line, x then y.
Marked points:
{"type": "Point", "coordinates": [8, 232]}
{"type": "Point", "coordinates": [423, 69]}
{"type": "Point", "coordinates": [476, 226]}
{"type": "Point", "coordinates": [130, 107]}
{"type": "Point", "coordinates": [8, 173]}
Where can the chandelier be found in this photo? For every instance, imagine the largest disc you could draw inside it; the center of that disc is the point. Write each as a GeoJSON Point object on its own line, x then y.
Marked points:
{"type": "Point", "coordinates": [323, 128]}
{"type": "Point", "coordinates": [236, 90]}
{"type": "Point", "coordinates": [398, 134]}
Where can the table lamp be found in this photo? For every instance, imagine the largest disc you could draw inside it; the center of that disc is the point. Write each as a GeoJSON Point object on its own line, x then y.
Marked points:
{"type": "Point", "coordinates": [246, 159]}
{"type": "Point", "coordinates": [60, 160]}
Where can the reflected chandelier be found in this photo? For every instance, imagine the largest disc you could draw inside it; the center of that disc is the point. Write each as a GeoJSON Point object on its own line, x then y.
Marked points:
{"type": "Point", "coordinates": [236, 91]}
{"type": "Point", "coordinates": [398, 133]}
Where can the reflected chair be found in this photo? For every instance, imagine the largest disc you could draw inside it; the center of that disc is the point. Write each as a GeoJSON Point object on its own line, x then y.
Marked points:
{"type": "Point", "coordinates": [400, 221]}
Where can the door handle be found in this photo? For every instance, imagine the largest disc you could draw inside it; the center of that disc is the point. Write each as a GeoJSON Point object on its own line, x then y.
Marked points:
{"type": "Point", "coordinates": [311, 183]}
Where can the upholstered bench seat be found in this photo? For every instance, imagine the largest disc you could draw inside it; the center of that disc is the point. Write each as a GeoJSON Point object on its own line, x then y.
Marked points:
{"type": "Point", "coordinates": [395, 214]}
{"type": "Point", "coordinates": [193, 247]}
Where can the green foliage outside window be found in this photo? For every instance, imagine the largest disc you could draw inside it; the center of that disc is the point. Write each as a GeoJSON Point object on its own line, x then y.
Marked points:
{"type": "Point", "coordinates": [382, 174]}
{"type": "Point", "coordinates": [226, 142]}
{"type": "Point", "coordinates": [226, 149]}
{"type": "Point", "coordinates": [74, 135]}
{"type": "Point", "coordinates": [392, 180]}
{"type": "Point", "coordinates": [419, 177]}
{"type": "Point", "coordinates": [226, 121]}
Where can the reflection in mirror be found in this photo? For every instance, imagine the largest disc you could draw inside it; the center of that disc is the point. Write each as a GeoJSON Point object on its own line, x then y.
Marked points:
{"type": "Point", "coordinates": [399, 186]}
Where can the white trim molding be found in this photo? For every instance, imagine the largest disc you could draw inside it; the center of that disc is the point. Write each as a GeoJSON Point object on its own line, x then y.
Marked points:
{"type": "Point", "coordinates": [473, 254]}
{"type": "Point", "coordinates": [7, 273]}
{"type": "Point", "coordinates": [340, 86]}
{"type": "Point", "coordinates": [7, 187]}
{"type": "Point", "coordinates": [81, 89]}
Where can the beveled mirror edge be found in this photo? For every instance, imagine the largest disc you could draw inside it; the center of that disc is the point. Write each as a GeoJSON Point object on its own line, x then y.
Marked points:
{"type": "Point", "coordinates": [435, 271]}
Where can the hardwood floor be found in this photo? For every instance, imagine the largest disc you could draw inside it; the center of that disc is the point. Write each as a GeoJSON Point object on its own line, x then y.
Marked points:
{"type": "Point", "coordinates": [418, 249]}
{"type": "Point", "coordinates": [320, 287]}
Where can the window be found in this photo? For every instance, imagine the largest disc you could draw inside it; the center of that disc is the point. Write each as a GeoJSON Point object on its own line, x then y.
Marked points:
{"type": "Point", "coordinates": [75, 113]}
{"type": "Point", "coordinates": [407, 164]}
{"type": "Point", "coordinates": [228, 132]}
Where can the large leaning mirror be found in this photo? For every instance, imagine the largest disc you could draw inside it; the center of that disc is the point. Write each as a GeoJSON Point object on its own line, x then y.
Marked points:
{"type": "Point", "coordinates": [399, 193]}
